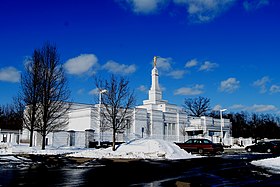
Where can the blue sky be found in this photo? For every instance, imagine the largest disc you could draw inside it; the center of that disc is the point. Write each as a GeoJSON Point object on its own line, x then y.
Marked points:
{"type": "Point", "coordinates": [226, 50]}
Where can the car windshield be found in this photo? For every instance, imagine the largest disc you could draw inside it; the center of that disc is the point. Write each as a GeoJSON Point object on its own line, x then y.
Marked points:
{"type": "Point", "coordinates": [198, 141]}
{"type": "Point", "coordinates": [206, 141]}
{"type": "Point", "coordinates": [189, 141]}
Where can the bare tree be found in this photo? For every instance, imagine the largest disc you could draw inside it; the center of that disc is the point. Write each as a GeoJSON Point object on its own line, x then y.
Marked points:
{"type": "Point", "coordinates": [10, 117]}
{"type": "Point", "coordinates": [53, 105]}
{"type": "Point", "coordinates": [117, 104]}
{"type": "Point", "coordinates": [197, 106]}
{"type": "Point", "coordinates": [183, 131]}
{"type": "Point", "coordinates": [19, 108]}
{"type": "Point", "coordinates": [31, 87]}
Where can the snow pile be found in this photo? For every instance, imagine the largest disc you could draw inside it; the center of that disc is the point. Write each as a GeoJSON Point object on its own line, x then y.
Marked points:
{"type": "Point", "coordinates": [136, 149]}
{"type": "Point", "coordinates": [237, 147]}
{"type": "Point", "coordinates": [272, 164]}
{"type": "Point", "coordinates": [139, 149]}
{"type": "Point", "coordinates": [5, 148]}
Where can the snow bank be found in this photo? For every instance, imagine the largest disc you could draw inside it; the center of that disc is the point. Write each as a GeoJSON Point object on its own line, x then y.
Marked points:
{"type": "Point", "coordinates": [272, 164]}
{"type": "Point", "coordinates": [5, 148]}
{"type": "Point", "coordinates": [139, 149]}
{"type": "Point", "coordinates": [25, 149]}
{"type": "Point", "coordinates": [136, 149]}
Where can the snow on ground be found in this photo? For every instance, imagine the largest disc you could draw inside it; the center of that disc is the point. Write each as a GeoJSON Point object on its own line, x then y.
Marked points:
{"type": "Point", "coordinates": [236, 147]}
{"type": "Point", "coordinates": [25, 149]}
{"type": "Point", "coordinates": [139, 149]}
{"type": "Point", "coordinates": [272, 164]}
{"type": "Point", "coordinates": [135, 149]}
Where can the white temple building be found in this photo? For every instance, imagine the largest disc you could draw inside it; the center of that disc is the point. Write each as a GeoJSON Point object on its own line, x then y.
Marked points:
{"type": "Point", "coordinates": [156, 118]}
{"type": "Point", "coordinates": [164, 120]}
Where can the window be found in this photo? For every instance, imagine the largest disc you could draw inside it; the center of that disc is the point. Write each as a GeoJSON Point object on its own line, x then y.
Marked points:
{"type": "Point", "coordinates": [206, 141]}
{"type": "Point", "coordinates": [173, 129]}
{"type": "Point", "coordinates": [4, 138]}
{"type": "Point", "coordinates": [165, 129]}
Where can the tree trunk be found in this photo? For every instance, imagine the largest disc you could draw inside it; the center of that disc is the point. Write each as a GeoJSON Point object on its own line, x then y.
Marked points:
{"type": "Point", "coordinates": [31, 137]}
{"type": "Point", "coordinates": [44, 140]}
{"type": "Point", "coordinates": [114, 140]}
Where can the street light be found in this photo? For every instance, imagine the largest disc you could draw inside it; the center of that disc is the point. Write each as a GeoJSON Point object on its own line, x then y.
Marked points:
{"type": "Point", "coordinates": [99, 113]}
{"type": "Point", "coordinates": [222, 123]}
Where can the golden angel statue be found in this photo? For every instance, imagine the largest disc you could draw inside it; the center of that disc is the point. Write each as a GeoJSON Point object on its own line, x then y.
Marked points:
{"type": "Point", "coordinates": [155, 61]}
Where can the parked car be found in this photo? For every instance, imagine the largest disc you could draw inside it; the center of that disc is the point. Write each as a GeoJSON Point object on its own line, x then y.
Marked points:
{"type": "Point", "coordinates": [264, 147]}
{"type": "Point", "coordinates": [201, 146]}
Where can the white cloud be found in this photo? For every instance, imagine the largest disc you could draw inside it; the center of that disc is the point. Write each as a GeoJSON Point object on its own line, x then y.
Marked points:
{"type": "Point", "coordinates": [196, 90]}
{"type": "Point", "coordinates": [9, 74]}
{"type": "Point", "coordinates": [164, 64]}
{"type": "Point", "coordinates": [262, 108]}
{"type": "Point", "coordinates": [81, 64]}
{"type": "Point", "coordinates": [146, 6]}
{"type": "Point", "coordinates": [142, 88]}
{"type": "Point", "coordinates": [261, 83]}
{"type": "Point", "coordinates": [162, 88]}
{"type": "Point", "coordinates": [255, 108]}
{"type": "Point", "coordinates": [205, 10]}
{"type": "Point", "coordinates": [117, 68]}
{"type": "Point", "coordinates": [177, 74]}
{"type": "Point", "coordinates": [274, 89]}
{"type": "Point", "coordinates": [191, 63]}
{"type": "Point", "coordinates": [217, 108]}
{"type": "Point", "coordinates": [94, 91]}
{"type": "Point", "coordinates": [254, 4]}
{"type": "Point", "coordinates": [208, 66]}
{"type": "Point", "coordinates": [199, 11]}
{"type": "Point", "coordinates": [237, 107]}
{"type": "Point", "coordinates": [81, 91]}
{"type": "Point", "coordinates": [229, 85]}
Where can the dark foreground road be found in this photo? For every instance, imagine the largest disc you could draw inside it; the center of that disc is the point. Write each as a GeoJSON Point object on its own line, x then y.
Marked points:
{"type": "Point", "coordinates": [225, 170]}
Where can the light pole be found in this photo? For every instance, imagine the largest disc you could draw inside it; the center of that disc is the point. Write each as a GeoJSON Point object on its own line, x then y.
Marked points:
{"type": "Point", "coordinates": [99, 113]}
{"type": "Point", "coordinates": [222, 123]}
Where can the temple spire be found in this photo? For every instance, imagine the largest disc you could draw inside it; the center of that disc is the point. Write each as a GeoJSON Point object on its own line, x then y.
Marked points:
{"type": "Point", "coordinates": [155, 94]}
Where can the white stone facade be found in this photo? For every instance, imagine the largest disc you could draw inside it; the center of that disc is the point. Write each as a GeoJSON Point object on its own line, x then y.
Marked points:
{"type": "Point", "coordinates": [215, 129]}
{"type": "Point", "coordinates": [10, 136]}
{"type": "Point", "coordinates": [164, 120]}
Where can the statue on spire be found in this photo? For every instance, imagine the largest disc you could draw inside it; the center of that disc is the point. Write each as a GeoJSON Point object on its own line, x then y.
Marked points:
{"type": "Point", "coordinates": [155, 61]}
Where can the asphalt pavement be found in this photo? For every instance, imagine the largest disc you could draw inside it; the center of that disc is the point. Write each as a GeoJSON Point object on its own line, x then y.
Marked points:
{"type": "Point", "coordinates": [229, 169]}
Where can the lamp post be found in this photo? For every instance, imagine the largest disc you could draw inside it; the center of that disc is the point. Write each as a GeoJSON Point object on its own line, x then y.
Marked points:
{"type": "Point", "coordinates": [99, 113]}
{"type": "Point", "coordinates": [222, 123]}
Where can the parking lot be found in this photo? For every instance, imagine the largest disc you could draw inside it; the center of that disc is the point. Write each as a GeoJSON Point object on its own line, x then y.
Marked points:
{"type": "Point", "coordinates": [232, 168]}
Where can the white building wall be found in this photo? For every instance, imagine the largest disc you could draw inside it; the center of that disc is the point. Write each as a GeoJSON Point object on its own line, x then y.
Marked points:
{"type": "Point", "coordinates": [10, 136]}
{"type": "Point", "coordinates": [171, 126]}
{"type": "Point", "coordinates": [79, 119]}
{"type": "Point", "coordinates": [80, 139]}
{"type": "Point", "coordinates": [211, 128]}
{"type": "Point", "coordinates": [182, 123]}
{"type": "Point", "coordinates": [25, 135]}
{"type": "Point", "coordinates": [156, 118]}
{"type": "Point", "coordinates": [60, 139]}
{"type": "Point", "coordinates": [94, 123]}
{"type": "Point", "coordinates": [140, 121]}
